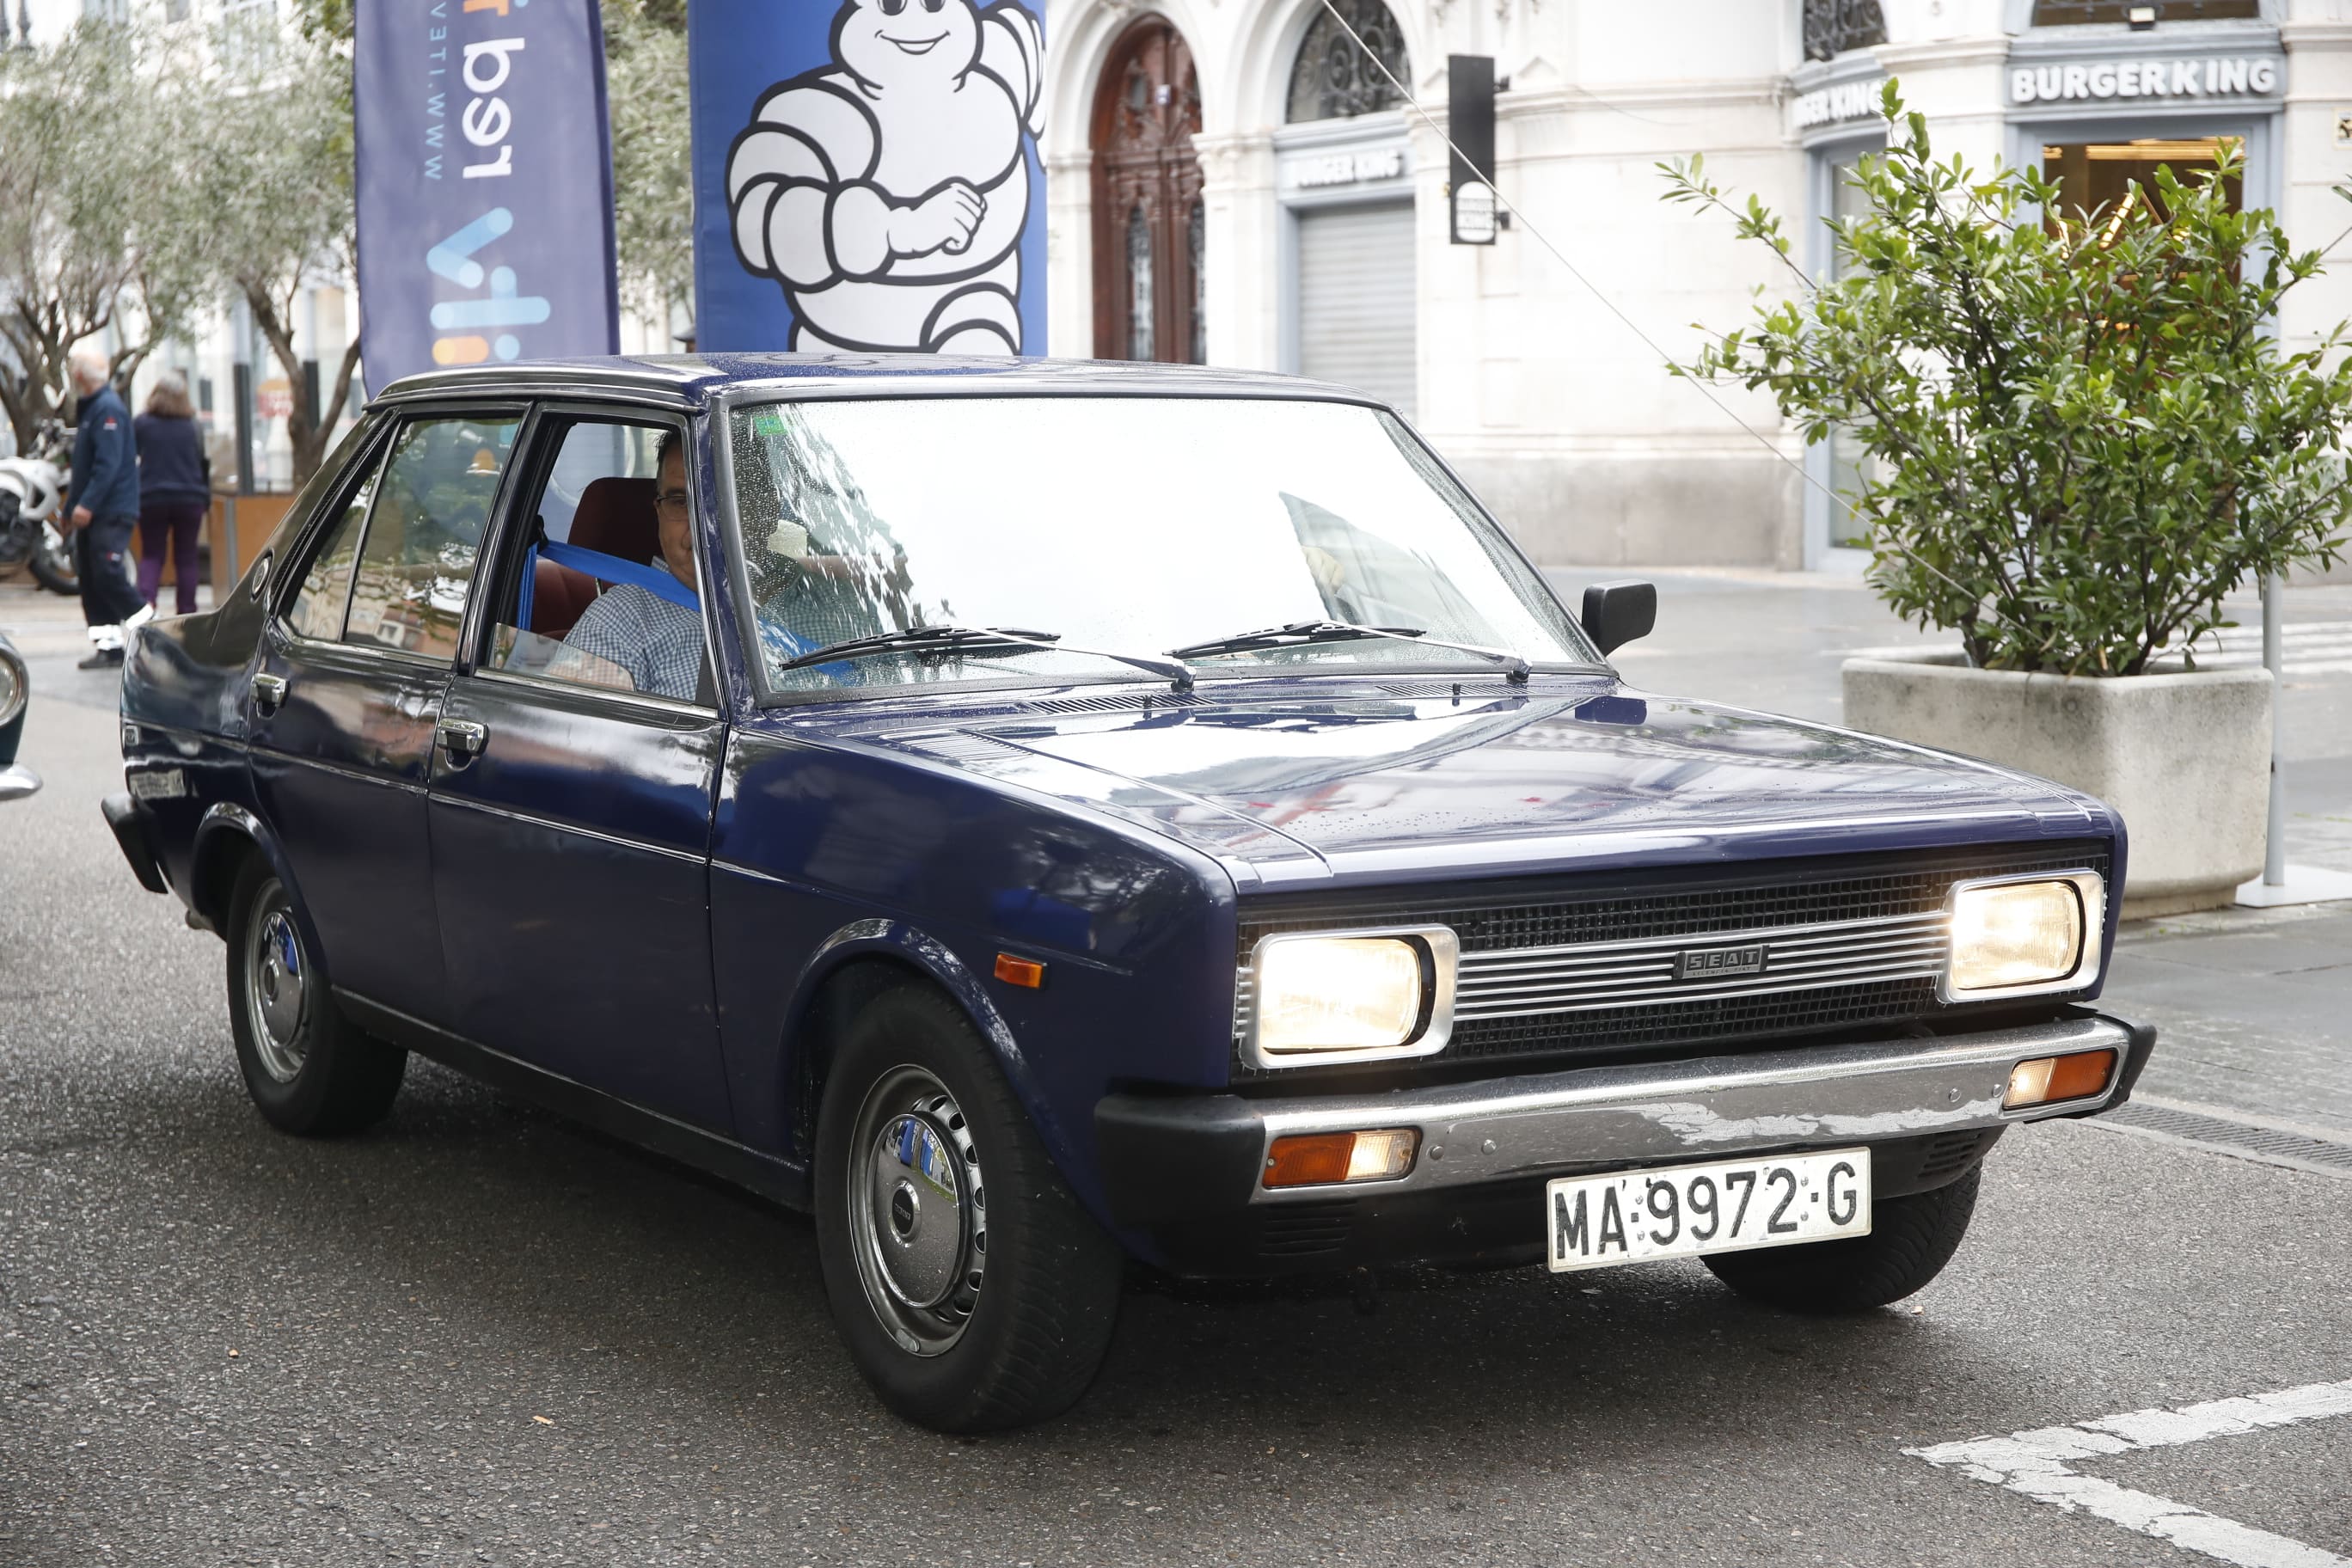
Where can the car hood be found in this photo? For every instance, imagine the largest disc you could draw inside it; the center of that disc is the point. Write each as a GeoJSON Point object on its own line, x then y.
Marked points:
{"type": "Point", "coordinates": [1308, 790]}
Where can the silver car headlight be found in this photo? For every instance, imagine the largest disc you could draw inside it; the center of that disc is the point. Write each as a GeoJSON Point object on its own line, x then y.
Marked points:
{"type": "Point", "coordinates": [2020, 936]}
{"type": "Point", "coordinates": [1328, 997]}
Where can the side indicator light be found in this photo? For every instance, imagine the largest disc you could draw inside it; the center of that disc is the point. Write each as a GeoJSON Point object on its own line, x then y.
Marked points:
{"type": "Point", "coordinates": [1327, 1159]}
{"type": "Point", "coordinates": [2048, 1080]}
{"type": "Point", "coordinates": [1023, 971]}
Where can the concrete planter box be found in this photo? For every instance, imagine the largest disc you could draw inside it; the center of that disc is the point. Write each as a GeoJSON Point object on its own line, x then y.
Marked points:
{"type": "Point", "coordinates": [2185, 758]}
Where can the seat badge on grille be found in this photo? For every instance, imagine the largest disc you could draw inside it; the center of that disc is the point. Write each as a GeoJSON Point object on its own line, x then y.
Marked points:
{"type": "Point", "coordinates": [1719, 963]}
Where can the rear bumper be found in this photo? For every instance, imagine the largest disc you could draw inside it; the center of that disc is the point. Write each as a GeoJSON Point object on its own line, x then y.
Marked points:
{"type": "Point", "coordinates": [1184, 1170]}
{"type": "Point", "coordinates": [130, 832]}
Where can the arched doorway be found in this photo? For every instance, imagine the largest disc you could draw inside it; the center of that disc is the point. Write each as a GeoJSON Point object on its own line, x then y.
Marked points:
{"type": "Point", "coordinates": [1146, 200]}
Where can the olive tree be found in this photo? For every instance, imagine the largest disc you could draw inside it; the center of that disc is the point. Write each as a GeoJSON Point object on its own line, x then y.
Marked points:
{"type": "Point", "coordinates": [2086, 430]}
{"type": "Point", "coordinates": [653, 182]}
{"type": "Point", "coordinates": [87, 242]}
{"type": "Point", "coordinates": [272, 172]}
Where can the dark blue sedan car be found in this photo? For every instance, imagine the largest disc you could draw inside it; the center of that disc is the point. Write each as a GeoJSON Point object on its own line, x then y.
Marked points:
{"type": "Point", "coordinates": [1036, 815]}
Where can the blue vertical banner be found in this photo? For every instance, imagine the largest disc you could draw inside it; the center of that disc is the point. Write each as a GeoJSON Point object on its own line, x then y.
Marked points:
{"type": "Point", "coordinates": [484, 176]}
{"type": "Point", "coordinates": [865, 175]}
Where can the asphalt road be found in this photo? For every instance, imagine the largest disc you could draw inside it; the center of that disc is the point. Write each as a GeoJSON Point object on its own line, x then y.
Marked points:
{"type": "Point", "coordinates": [477, 1335]}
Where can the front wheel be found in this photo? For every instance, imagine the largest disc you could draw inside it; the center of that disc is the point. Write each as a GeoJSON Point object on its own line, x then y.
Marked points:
{"type": "Point", "coordinates": [1911, 1238]}
{"type": "Point", "coordinates": [972, 1290]}
{"type": "Point", "coordinates": [308, 1069]}
{"type": "Point", "coordinates": [53, 562]}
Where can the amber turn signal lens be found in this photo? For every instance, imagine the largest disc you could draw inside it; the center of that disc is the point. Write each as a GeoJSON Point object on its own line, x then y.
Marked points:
{"type": "Point", "coordinates": [2048, 1080]}
{"type": "Point", "coordinates": [1023, 971]}
{"type": "Point", "coordinates": [1325, 1158]}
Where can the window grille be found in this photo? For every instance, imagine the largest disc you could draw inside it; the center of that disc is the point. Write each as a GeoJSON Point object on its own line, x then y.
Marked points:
{"type": "Point", "coordinates": [1332, 79]}
{"type": "Point", "coordinates": [1833, 26]}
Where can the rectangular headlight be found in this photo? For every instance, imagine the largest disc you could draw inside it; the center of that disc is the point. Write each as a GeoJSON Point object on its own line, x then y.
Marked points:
{"type": "Point", "coordinates": [2019, 936]}
{"type": "Point", "coordinates": [1349, 997]}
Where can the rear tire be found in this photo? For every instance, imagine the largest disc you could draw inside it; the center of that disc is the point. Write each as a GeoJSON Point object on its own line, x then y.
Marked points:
{"type": "Point", "coordinates": [308, 1068]}
{"type": "Point", "coordinates": [972, 1289]}
{"type": "Point", "coordinates": [1911, 1238]}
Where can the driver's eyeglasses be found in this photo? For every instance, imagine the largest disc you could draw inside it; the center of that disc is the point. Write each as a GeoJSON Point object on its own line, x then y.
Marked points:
{"type": "Point", "coordinates": [671, 501]}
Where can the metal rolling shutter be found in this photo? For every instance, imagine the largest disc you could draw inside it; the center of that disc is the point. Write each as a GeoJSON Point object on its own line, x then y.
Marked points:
{"type": "Point", "coordinates": [1356, 300]}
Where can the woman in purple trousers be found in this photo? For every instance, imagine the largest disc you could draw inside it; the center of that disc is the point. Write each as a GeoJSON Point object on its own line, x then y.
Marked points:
{"type": "Point", "coordinates": [175, 490]}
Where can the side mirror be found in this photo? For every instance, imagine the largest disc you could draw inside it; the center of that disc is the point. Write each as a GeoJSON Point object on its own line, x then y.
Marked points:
{"type": "Point", "coordinates": [1617, 613]}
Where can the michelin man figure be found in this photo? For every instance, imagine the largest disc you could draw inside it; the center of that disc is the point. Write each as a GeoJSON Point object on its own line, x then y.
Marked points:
{"type": "Point", "coordinates": [886, 192]}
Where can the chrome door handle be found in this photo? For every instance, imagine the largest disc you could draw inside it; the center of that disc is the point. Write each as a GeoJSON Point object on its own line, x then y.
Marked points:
{"type": "Point", "coordinates": [463, 740]}
{"type": "Point", "coordinates": [269, 691]}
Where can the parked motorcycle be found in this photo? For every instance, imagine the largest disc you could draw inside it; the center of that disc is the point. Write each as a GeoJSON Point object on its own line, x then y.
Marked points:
{"type": "Point", "coordinates": [17, 781]}
{"type": "Point", "coordinates": [32, 486]}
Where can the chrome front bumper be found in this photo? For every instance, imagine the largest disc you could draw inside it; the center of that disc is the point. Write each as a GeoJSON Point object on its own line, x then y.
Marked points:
{"type": "Point", "coordinates": [1202, 1153]}
{"type": "Point", "coordinates": [1717, 1107]}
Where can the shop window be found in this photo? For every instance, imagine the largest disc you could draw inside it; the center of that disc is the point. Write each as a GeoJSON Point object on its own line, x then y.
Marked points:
{"type": "Point", "coordinates": [1833, 26]}
{"type": "Point", "coordinates": [1333, 78]}
{"type": "Point", "coordinates": [2095, 176]}
{"type": "Point", "coordinates": [2075, 13]}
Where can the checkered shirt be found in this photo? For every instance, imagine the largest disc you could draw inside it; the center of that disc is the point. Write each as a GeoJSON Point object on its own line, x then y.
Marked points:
{"type": "Point", "coordinates": [657, 642]}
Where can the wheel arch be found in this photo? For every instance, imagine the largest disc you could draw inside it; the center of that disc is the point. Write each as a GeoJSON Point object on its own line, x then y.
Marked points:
{"type": "Point", "coordinates": [853, 965]}
{"type": "Point", "coordinates": [226, 838]}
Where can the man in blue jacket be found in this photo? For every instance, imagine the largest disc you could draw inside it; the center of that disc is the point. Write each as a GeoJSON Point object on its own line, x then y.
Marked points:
{"type": "Point", "coordinates": [104, 495]}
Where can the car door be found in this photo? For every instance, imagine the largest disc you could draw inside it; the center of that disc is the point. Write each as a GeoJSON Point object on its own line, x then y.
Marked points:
{"type": "Point", "coordinates": [571, 821]}
{"type": "Point", "coordinates": [347, 688]}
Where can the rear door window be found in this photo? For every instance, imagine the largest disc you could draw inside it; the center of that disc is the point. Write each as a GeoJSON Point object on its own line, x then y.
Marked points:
{"type": "Point", "coordinates": [318, 607]}
{"type": "Point", "coordinates": [432, 505]}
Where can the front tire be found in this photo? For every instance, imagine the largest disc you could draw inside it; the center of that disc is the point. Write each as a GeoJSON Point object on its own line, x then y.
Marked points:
{"type": "Point", "coordinates": [53, 565]}
{"type": "Point", "coordinates": [308, 1069]}
{"type": "Point", "coordinates": [1911, 1238]}
{"type": "Point", "coordinates": [972, 1289]}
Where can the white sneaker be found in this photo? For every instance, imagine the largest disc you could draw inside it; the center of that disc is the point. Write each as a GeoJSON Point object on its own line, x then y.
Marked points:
{"type": "Point", "coordinates": [138, 617]}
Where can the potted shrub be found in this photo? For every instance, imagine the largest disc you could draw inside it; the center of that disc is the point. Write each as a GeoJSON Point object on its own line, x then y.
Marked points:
{"type": "Point", "coordinates": [2085, 435]}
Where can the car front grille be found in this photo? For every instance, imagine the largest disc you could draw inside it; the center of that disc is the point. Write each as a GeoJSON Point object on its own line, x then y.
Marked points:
{"type": "Point", "coordinates": [1585, 966]}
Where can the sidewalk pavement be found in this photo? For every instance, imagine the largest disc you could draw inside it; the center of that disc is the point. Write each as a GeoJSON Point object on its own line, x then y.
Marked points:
{"type": "Point", "coordinates": [2256, 1004]}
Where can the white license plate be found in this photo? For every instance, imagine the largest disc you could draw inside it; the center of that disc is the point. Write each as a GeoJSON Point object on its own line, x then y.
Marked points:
{"type": "Point", "coordinates": [1636, 1217]}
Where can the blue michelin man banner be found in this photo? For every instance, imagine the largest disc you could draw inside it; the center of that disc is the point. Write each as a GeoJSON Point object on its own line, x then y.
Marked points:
{"type": "Point", "coordinates": [865, 175]}
{"type": "Point", "coordinates": [485, 178]}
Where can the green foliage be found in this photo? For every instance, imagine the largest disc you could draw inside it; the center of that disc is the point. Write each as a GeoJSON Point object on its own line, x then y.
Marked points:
{"type": "Point", "coordinates": [84, 242]}
{"type": "Point", "coordinates": [268, 180]}
{"type": "Point", "coordinates": [2084, 430]}
{"type": "Point", "coordinates": [653, 182]}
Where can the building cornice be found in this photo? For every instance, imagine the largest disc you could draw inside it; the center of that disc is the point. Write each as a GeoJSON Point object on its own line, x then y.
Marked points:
{"type": "Point", "coordinates": [1765, 90]}
{"type": "Point", "coordinates": [1945, 54]}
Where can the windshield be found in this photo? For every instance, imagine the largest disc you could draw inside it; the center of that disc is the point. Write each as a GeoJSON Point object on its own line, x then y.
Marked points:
{"type": "Point", "coordinates": [1117, 525]}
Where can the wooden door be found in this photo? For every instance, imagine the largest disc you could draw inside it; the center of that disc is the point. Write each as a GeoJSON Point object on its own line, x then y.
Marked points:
{"type": "Point", "coordinates": [1146, 200]}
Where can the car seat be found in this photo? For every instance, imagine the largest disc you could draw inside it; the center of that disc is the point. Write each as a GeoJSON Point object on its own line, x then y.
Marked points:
{"type": "Point", "coordinates": [617, 517]}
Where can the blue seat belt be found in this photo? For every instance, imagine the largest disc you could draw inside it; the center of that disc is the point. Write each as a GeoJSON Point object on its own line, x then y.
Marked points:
{"type": "Point", "coordinates": [653, 580]}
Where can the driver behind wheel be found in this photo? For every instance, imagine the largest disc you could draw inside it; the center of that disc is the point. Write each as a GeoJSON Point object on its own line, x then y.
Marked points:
{"type": "Point", "coordinates": [631, 637]}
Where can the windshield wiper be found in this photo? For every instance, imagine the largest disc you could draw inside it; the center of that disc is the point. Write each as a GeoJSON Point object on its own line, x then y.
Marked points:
{"type": "Point", "coordinates": [969, 639]}
{"type": "Point", "coordinates": [1301, 634]}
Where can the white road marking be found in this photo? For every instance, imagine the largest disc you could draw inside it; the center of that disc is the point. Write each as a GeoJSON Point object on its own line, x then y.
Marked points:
{"type": "Point", "coordinates": [2035, 1463]}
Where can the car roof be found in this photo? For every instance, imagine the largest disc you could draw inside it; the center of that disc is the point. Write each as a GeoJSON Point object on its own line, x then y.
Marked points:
{"type": "Point", "coordinates": [693, 380]}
